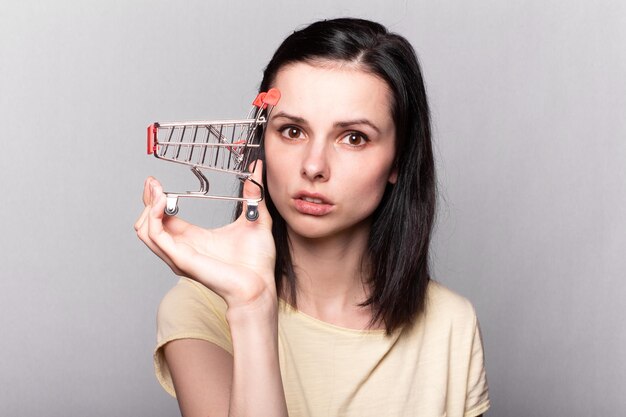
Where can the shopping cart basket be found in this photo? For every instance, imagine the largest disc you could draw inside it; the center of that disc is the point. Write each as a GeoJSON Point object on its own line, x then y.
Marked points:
{"type": "Point", "coordinates": [219, 145]}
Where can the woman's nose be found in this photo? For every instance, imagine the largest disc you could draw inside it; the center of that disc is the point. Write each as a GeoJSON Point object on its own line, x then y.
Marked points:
{"type": "Point", "coordinates": [315, 166]}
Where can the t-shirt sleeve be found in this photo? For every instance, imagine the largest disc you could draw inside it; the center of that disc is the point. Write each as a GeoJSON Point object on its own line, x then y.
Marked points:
{"type": "Point", "coordinates": [189, 311]}
{"type": "Point", "coordinates": [477, 399]}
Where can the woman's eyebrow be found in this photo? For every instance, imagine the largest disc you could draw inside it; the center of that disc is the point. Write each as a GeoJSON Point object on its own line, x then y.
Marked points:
{"type": "Point", "coordinates": [349, 123]}
{"type": "Point", "coordinates": [295, 119]}
{"type": "Point", "coordinates": [342, 124]}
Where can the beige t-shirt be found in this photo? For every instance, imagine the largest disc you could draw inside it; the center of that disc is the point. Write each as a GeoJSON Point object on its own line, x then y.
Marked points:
{"type": "Point", "coordinates": [431, 369]}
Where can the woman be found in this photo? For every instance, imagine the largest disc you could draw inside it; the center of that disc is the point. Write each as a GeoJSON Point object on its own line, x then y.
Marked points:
{"type": "Point", "coordinates": [324, 305]}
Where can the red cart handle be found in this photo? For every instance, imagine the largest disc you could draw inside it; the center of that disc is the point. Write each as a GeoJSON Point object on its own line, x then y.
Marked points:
{"type": "Point", "coordinates": [264, 99]}
{"type": "Point", "coordinates": [152, 135]}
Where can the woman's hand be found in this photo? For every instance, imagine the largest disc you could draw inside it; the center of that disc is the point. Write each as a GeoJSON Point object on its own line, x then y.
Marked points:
{"type": "Point", "coordinates": [235, 261]}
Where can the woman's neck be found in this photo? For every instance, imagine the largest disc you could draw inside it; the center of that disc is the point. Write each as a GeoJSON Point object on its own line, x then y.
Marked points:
{"type": "Point", "coordinates": [331, 277]}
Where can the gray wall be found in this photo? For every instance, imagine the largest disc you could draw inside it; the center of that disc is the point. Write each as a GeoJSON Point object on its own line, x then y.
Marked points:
{"type": "Point", "coordinates": [529, 102]}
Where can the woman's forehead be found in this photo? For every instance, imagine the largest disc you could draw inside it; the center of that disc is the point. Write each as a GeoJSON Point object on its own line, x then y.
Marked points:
{"type": "Point", "coordinates": [339, 91]}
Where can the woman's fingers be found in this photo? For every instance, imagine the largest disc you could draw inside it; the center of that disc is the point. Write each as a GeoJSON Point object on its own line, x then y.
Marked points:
{"type": "Point", "coordinates": [146, 189]}
{"type": "Point", "coordinates": [143, 229]}
{"type": "Point", "coordinates": [212, 258]}
{"type": "Point", "coordinates": [142, 219]}
{"type": "Point", "coordinates": [156, 232]}
{"type": "Point", "coordinates": [146, 202]}
{"type": "Point", "coordinates": [180, 251]}
{"type": "Point", "coordinates": [168, 237]}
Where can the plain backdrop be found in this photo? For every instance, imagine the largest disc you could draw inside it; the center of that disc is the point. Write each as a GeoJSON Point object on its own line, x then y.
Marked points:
{"type": "Point", "coordinates": [529, 111]}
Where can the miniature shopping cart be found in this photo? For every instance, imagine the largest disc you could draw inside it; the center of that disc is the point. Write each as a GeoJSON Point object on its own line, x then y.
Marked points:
{"type": "Point", "coordinates": [221, 145]}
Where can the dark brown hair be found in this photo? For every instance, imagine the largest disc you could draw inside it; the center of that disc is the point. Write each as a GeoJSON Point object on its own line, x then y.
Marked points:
{"type": "Point", "coordinates": [398, 247]}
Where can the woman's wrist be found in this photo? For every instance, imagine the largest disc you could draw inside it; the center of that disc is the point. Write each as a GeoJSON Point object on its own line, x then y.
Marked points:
{"type": "Point", "coordinates": [260, 311]}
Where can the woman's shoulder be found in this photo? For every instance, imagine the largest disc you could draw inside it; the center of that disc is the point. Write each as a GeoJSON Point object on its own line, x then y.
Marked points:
{"type": "Point", "coordinates": [190, 294]}
{"type": "Point", "coordinates": [444, 304]}
{"type": "Point", "coordinates": [191, 308]}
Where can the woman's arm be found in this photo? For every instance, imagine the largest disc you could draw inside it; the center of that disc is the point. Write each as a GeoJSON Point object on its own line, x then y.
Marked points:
{"type": "Point", "coordinates": [257, 387]}
{"type": "Point", "coordinates": [209, 382]}
{"type": "Point", "coordinates": [237, 263]}
{"type": "Point", "coordinates": [202, 375]}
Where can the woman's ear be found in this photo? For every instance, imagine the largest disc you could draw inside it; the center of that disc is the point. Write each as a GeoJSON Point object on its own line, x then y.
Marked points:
{"type": "Point", "coordinates": [393, 176]}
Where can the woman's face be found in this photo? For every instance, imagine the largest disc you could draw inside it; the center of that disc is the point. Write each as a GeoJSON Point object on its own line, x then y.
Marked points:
{"type": "Point", "coordinates": [330, 147]}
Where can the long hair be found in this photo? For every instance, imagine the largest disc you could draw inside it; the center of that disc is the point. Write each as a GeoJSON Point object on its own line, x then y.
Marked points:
{"type": "Point", "coordinates": [397, 255]}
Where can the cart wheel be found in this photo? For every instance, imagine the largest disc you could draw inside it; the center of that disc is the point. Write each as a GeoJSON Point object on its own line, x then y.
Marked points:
{"type": "Point", "coordinates": [252, 213]}
{"type": "Point", "coordinates": [171, 212]}
{"type": "Point", "coordinates": [171, 206]}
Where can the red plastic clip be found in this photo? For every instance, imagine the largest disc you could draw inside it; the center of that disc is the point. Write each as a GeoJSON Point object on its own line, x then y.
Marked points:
{"type": "Point", "coordinates": [264, 99]}
{"type": "Point", "coordinates": [272, 97]}
{"type": "Point", "coordinates": [152, 134]}
{"type": "Point", "coordinates": [258, 101]}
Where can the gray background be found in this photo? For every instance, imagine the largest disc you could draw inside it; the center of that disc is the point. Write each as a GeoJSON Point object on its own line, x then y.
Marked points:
{"type": "Point", "coordinates": [529, 101]}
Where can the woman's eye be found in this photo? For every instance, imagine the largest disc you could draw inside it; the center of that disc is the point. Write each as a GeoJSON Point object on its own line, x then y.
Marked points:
{"type": "Point", "coordinates": [354, 139]}
{"type": "Point", "coordinates": [291, 132]}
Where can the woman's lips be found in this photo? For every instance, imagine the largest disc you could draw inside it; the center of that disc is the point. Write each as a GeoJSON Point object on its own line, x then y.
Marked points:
{"type": "Point", "coordinates": [312, 204]}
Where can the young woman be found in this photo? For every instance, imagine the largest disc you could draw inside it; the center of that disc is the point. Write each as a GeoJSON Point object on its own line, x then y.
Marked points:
{"type": "Point", "coordinates": [323, 306]}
